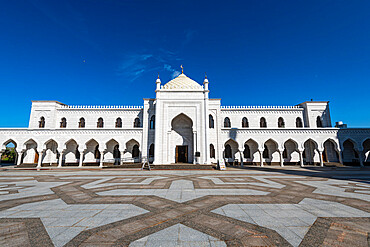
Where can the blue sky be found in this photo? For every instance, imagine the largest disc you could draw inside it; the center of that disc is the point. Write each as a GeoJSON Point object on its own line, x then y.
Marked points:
{"type": "Point", "coordinates": [254, 52]}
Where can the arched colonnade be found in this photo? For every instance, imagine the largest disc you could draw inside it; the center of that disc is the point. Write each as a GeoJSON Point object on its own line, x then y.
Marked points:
{"type": "Point", "coordinates": [292, 152]}
{"type": "Point", "coordinates": [74, 153]}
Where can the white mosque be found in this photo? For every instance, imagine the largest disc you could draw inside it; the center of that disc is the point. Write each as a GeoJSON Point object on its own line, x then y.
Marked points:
{"type": "Point", "coordinates": [183, 125]}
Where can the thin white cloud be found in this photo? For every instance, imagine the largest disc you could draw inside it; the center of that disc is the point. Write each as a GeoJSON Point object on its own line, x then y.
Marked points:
{"type": "Point", "coordinates": [133, 66]}
{"type": "Point", "coordinates": [176, 74]}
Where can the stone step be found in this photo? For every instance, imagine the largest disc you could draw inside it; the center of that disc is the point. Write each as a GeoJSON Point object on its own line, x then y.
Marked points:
{"type": "Point", "coordinates": [333, 164]}
{"type": "Point", "coordinates": [181, 166]}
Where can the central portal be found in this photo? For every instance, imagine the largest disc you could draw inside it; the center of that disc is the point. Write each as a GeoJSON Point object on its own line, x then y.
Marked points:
{"type": "Point", "coordinates": [182, 154]}
{"type": "Point", "coordinates": [181, 147]}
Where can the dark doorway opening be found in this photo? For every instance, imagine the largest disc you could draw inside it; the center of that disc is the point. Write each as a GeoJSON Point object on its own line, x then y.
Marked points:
{"type": "Point", "coordinates": [182, 154]}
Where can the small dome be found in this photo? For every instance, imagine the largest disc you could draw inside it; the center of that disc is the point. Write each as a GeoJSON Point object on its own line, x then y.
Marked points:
{"type": "Point", "coordinates": [182, 82]}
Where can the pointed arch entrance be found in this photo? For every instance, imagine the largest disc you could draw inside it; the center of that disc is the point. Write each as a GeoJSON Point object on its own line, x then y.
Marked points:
{"type": "Point", "coordinates": [182, 139]}
{"type": "Point", "coordinates": [8, 152]}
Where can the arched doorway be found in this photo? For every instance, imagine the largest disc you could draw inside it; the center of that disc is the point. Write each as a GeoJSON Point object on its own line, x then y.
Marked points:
{"type": "Point", "coordinates": [250, 153]}
{"type": "Point", "coordinates": [291, 154]}
{"type": "Point", "coordinates": [330, 153]}
{"type": "Point", "coordinates": [310, 153]}
{"type": "Point", "coordinates": [132, 152]}
{"type": "Point", "coordinates": [232, 155]}
{"type": "Point", "coordinates": [270, 152]}
{"type": "Point", "coordinates": [366, 152]}
{"type": "Point", "coordinates": [50, 155]}
{"type": "Point", "coordinates": [71, 153]}
{"type": "Point", "coordinates": [151, 153]}
{"type": "Point", "coordinates": [30, 155]}
{"type": "Point", "coordinates": [112, 154]}
{"type": "Point", "coordinates": [92, 154]}
{"type": "Point", "coordinates": [9, 154]}
{"type": "Point", "coordinates": [182, 139]}
{"type": "Point", "coordinates": [350, 155]}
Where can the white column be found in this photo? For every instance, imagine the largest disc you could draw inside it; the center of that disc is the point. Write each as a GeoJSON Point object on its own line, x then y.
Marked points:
{"type": "Point", "coordinates": [169, 152]}
{"type": "Point", "coordinates": [301, 158]}
{"type": "Point", "coordinates": [81, 158]}
{"type": "Point", "coordinates": [281, 158]}
{"type": "Point", "coordinates": [122, 153]}
{"type": "Point", "coordinates": [241, 158]}
{"type": "Point", "coordinates": [144, 139]}
{"type": "Point", "coordinates": [360, 155]}
{"type": "Point", "coordinates": [194, 145]}
{"type": "Point", "coordinates": [159, 131]}
{"type": "Point", "coordinates": [60, 159]}
{"type": "Point", "coordinates": [220, 145]}
{"type": "Point", "coordinates": [19, 158]}
{"type": "Point", "coordinates": [206, 153]}
{"type": "Point", "coordinates": [40, 159]}
{"type": "Point", "coordinates": [340, 156]}
{"type": "Point", "coordinates": [261, 157]}
{"type": "Point", "coordinates": [101, 158]}
{"type": "Point", "coordinates": [320, 156]}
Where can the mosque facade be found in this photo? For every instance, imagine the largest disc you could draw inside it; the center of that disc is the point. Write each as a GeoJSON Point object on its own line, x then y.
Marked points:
{"type": "Point", "coordinates": [183, 125]}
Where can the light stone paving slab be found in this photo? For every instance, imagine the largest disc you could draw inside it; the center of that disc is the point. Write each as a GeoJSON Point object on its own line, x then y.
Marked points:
{"type": "Point", "coordinates": [36, 189]}
{"type": "Point", "coordinates": [291, 221]}
{"type": "Point", "coordinates": [178, 235]}
{"type": "Point", "coordinates": [101, 182]}
{"type": "Point", "coordinates": [63, 222]}
{"type": "Point", "coordinates": [263, 181]}
{"type": "Point", "coordinates": [181, 191]}
{"type": "Point", "coordinates": [328, 188]}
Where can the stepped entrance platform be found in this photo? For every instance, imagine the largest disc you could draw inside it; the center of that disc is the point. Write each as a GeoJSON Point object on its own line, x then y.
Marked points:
{"type": "Point", "coordinates": [182, 166]}
{"type": "Point", "coordinates": [174, 166]}
{"type": "Point", "coordinates": [136, 166]}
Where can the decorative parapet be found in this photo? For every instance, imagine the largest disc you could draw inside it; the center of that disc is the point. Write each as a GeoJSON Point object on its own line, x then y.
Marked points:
{"type": "Point", "coordinates": [24, 131]}
{"type": "Point", "coordinates": [120, 107]}
{"type": "Point", "coordinates": [303, 131]}
{"type": "Point", "coordinates": [360, 131]}
{"type": "Point", "coordinates": [262, 107]}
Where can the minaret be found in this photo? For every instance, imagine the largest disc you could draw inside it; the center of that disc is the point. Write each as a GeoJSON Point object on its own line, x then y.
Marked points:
{"type": "Point", "coordinates": [206, 159]}
{"type": "Point", "coordinates": [158, 82]}
{"type": "Point", "coordinates": [158, 122]}
{"type": "Point", "coordinates": [206, 82]}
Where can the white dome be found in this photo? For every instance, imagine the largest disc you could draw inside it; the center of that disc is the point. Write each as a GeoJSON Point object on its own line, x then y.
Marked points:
{"type": "Point", "coordinates": [182, 82]}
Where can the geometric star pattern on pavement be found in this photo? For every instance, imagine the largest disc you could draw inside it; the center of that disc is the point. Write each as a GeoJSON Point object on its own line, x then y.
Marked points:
{"type": "Point", "coordinates": [256, 207]}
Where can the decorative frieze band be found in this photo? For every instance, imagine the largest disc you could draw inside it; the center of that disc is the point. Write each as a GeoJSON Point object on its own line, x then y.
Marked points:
{"type": "Point", "coordinates": [71, 132]}
{"type": "Point", "coordinates": [267, 111]}
{"type": "Point", "coordinates": [99, 111]}
{"type": "Point", "coordinates": [279, 131]}
{"type": "Point", "coordinates": [100, 107]}
{"type": "Point", "coordinates": [261, 107]}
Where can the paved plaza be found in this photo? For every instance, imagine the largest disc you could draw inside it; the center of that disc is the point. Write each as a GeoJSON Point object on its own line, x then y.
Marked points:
{"type": "Point", "coordinates": [237, 207]}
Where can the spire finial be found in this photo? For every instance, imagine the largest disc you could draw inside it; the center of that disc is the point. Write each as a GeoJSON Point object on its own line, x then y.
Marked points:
{"type": "Point", "coordinates": [158, 75]}
{"type": "Point", "coordinates": [182, 69]}
{"type": "Point", "coordinates": [205, 73]}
